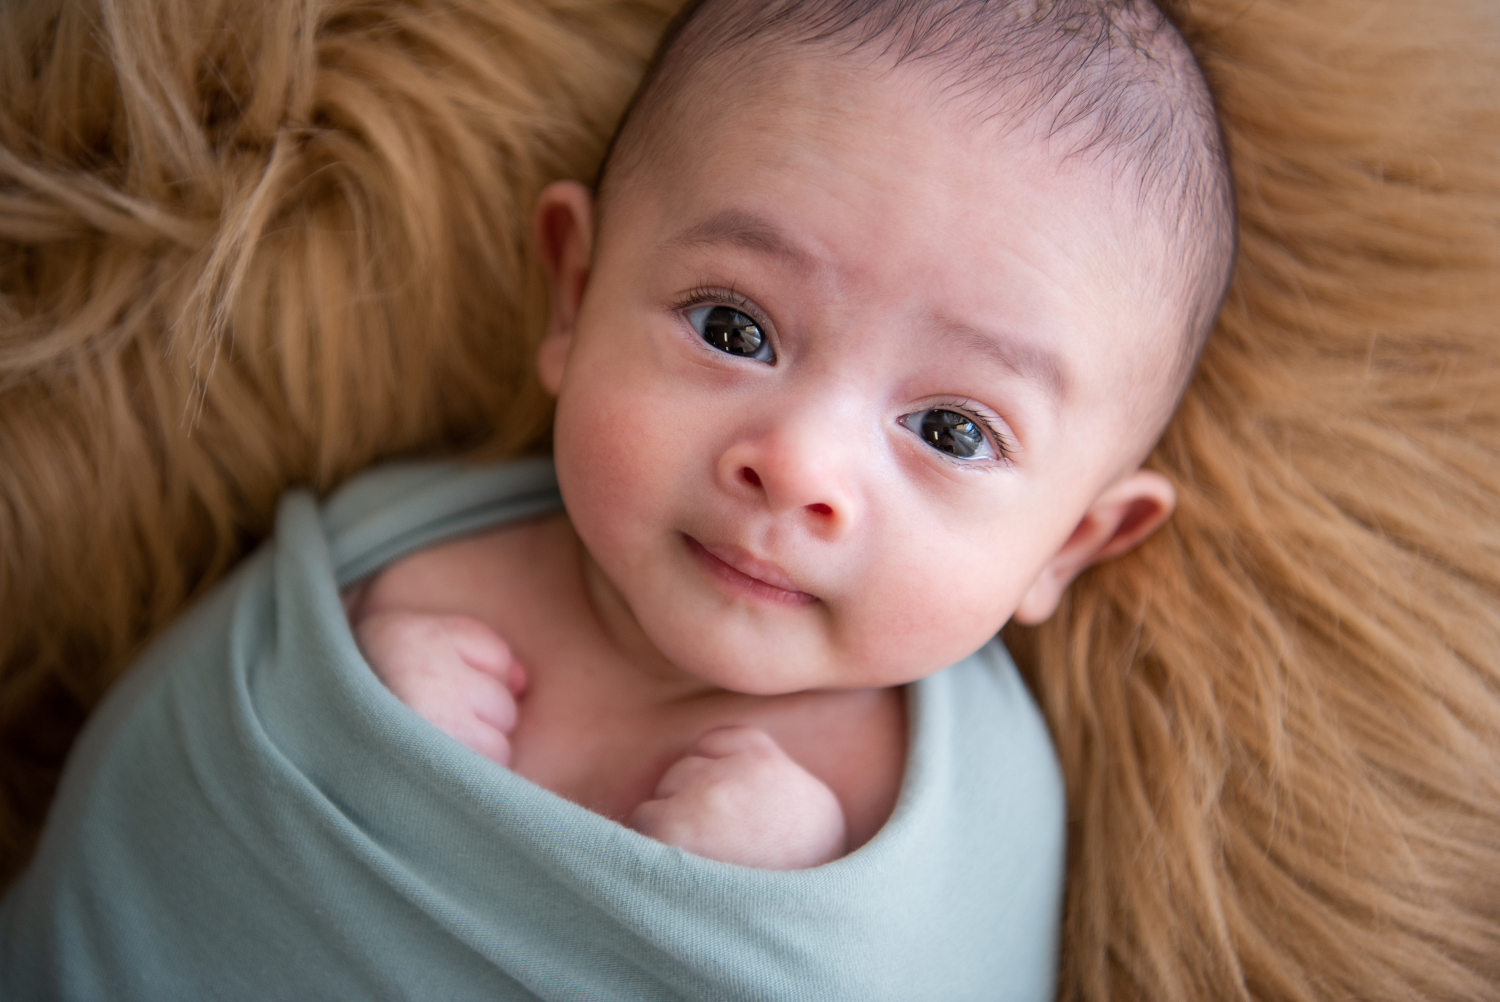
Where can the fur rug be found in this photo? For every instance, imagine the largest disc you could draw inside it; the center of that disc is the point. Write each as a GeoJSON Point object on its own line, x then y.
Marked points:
{"type": "Point", "coordinates": [245, 245]}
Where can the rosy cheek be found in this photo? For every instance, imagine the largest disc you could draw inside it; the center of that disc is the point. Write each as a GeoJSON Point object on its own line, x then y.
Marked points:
{"type": "Point", "coordinates": [615, 455]}
{"type": "Point", "coordinates": [942, 600]}
{"type": "Point", "coordinates": [592, 473]}
{"type": "Point", "coordinates": [895, 620]}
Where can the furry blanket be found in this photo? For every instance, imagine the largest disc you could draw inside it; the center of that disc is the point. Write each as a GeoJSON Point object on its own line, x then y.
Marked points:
{"type": "Point", "coordinates": [247, 245]}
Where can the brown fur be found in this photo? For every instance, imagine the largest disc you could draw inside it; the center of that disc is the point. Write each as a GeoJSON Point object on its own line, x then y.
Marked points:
{"type": "Point", "coordinates": [1280, 719]}
{"type": "Point", "coordinates": [244, 245]}
{"type": "Point", "coordinates": [247, 245]}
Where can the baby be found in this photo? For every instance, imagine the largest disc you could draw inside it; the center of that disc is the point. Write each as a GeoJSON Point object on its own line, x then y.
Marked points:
{"type": "Point", "coordinates": [858, 347]}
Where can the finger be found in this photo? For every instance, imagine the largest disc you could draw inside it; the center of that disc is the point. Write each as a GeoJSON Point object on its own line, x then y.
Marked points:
{"type": "Point", "coordinates": [491, 702]}
{"type": "Point", "coordinates": [669, 821]}
{"type": "Point", "coordinates": [517, 678]}
{"type": "Point", "coordinates": [481, 737]}
{"type": "Point", "coordinates": [458, 722]}
{"type": "Point", "coordinates": [460, 691]}
{"type": "Point", "coordinates": [485, 650]}
{"type": "Point", "coordinates": [647, 818]}
{"type": "Point", "coordinates": [478, 644]}
{"type": "Point", "coordinates": [737, 739]}
{"type": "Point", "coordinates": [686, 772]}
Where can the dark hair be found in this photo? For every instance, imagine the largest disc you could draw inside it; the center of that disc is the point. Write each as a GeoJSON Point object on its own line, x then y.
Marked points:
{"type": "Point", "coordinates": [1112, 80]}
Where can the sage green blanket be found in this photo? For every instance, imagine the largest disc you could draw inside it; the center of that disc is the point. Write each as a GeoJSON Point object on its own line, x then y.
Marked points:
{"type": "Point", "coordinates": [252, 816]}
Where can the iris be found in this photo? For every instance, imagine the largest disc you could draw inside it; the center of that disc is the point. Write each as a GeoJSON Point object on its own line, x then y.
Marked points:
{"type": "Point", "coordinates": [730, 331]}
{"type": "Point", "coordinates": [951, 433]}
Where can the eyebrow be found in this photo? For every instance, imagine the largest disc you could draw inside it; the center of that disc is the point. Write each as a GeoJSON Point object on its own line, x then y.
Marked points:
{"type": "Point", "coordinates": [740, 228]}
{"type": "Point", "coordinates": [1022, 357]}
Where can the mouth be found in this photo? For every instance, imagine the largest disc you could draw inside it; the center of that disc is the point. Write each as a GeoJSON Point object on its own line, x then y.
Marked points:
{"type": "Point", "coordinates": [746, 575]}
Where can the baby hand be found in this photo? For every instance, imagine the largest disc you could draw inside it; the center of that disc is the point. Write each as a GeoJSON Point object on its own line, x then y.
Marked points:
{"type": "Point", "coordinates": [738, 798]}
{"type": "Point", "coordinates": [454, 671]}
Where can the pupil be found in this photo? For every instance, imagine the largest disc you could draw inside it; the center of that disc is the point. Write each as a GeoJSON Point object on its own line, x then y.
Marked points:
{"type": "Point", "coordinates": [951, 432]}
{"type": "Point", "coordinates": [731, 331]}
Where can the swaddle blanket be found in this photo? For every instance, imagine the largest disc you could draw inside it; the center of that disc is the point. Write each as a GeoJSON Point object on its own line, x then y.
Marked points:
{"type": "Point", "coordinates": [252, 815]}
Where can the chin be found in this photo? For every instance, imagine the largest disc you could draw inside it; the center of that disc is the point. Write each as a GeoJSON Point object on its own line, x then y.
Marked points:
{"type": "Point", "coordinates": [722, 661]}
{"type": "Point", "coordinates": [750, 679]}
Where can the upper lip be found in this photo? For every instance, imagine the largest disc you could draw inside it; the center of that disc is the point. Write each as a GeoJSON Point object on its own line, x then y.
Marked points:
{"type": "Point", "coordinates": [750, 565]}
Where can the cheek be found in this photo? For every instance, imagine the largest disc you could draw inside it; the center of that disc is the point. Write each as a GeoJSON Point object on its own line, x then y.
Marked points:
{"type": "Point", "coordinates": [597, 463]}
{"type": "Point", "coordinates": [936, 598]}
{"type": "Point", "coordinates": [621, 457]}
{"type": "Point", "coordinates": [946, 577]}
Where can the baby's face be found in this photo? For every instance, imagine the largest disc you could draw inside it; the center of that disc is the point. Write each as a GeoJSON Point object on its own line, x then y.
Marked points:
{"type": "Point", "coordinates": [844, 378]}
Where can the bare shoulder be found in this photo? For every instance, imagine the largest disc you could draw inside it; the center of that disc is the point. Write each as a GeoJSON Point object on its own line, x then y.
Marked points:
{"type": "Point", "coordinates": [497, 576]}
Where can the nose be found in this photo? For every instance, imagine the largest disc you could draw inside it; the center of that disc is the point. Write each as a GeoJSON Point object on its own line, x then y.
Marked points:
{"type": "Point", "coordinates": [798, 462]}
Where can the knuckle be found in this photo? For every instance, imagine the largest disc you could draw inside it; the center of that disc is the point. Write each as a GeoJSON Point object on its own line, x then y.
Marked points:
{"type": "Point", "coordinates": [737, 739]}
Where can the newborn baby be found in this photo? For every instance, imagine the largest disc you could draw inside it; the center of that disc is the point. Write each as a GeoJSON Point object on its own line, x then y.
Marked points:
{"type": "Point", "coordinates": [858, 347]}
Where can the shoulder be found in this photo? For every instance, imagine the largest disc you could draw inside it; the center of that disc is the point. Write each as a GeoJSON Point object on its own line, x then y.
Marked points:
{"type": "Point", "coordinates": [474, 574]}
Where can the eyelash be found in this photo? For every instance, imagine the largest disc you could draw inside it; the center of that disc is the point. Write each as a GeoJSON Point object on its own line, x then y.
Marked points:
{"type": "Point", "coordinates": [1004, 451]}
{"type": "Point", "coordinates": [705, 295]}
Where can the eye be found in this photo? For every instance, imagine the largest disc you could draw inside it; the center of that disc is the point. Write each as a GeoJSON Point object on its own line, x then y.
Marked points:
{"type": "Point", "coordinates": [952, 433]}
{"type": "Point", "coordinates": [731, 331]}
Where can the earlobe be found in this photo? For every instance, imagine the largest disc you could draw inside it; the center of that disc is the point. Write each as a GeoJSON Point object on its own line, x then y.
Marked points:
{"type": "Point", "coordinates": [1122, 517]}
{"type": "Point", "coordinates": [563, 230]}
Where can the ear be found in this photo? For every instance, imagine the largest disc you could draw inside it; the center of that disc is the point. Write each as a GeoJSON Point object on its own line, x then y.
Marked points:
{"type": "Point", "coordinates": [1126, 513]}
{"type": "Point", "coordinates": [563, 228]}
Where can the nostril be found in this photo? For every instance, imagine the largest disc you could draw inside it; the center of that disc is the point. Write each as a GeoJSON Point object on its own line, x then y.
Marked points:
{"type": "Point", "coordinates": [821, 508]}
{"type": "Point", "coordinates": [749, 476]}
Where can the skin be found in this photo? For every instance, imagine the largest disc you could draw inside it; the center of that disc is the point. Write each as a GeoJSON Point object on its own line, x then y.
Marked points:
{"type": "Point", "coordinates": [758, 551]}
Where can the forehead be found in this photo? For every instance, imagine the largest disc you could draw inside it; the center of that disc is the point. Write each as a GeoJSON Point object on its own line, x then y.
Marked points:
{"type": "Point", "coordinates": [869, 186]}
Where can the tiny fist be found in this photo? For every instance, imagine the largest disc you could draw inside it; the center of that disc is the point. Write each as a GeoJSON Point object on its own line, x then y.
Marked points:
{"type": "Point", "coordinates": [738, 798]}
{"type": "Point", "coordinates": [404, 642]}
{"type": "Point", "coordinates": [454, 671]}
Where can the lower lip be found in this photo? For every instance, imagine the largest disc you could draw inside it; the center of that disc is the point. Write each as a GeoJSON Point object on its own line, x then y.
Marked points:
{"type": "Point", "coordinates": [743, 584]}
